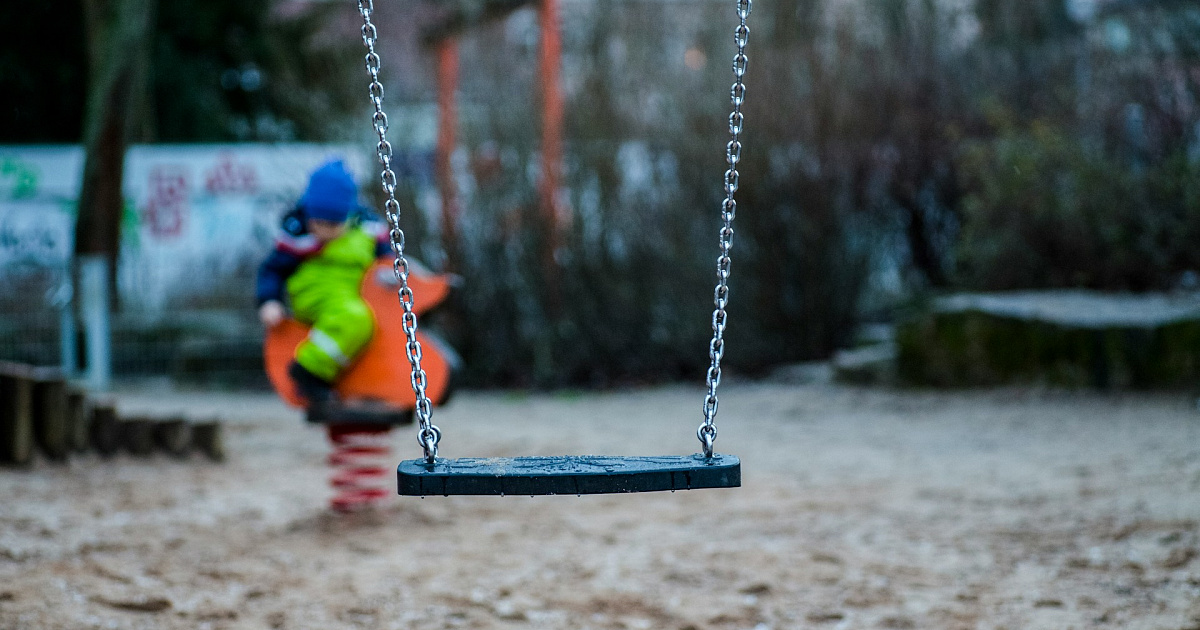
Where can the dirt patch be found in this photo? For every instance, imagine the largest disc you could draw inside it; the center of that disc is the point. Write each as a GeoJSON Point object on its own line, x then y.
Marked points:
{"type": "Point", "coordinates": [860, 508]}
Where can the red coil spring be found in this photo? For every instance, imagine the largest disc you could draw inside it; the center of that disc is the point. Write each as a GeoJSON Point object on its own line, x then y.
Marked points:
{"type": "Point", "coordinates": [360, 460]}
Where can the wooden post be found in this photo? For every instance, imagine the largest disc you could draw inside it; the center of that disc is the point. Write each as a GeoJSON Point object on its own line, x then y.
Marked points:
{"type": "Point", "coordinates": [552, 127]}
{"type": "Point", "coordinates": [137, 436]}
{"type": "Point", "coordinates": [16, 414]}
{"type": "Point", "coordinates": [207, 438]}
{"type": "Point", "coordinates": [104, 430]}
{"type": "Point", "coordinates": [447, 79]}
{"type": "Point", "coordinates": [173, 436]}
{"type": "Point", "coordinates": [51, 413]}
{"type": "Point", "coordinates": [80, 416]}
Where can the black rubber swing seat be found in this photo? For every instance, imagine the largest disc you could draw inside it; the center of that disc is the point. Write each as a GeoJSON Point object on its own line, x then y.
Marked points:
{"type": "Point", "coordinates": [569, 474]}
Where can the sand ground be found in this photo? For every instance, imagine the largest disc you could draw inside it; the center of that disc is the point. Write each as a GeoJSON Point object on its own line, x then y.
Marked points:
{"type": "Point", "coordinates": [861, 508]}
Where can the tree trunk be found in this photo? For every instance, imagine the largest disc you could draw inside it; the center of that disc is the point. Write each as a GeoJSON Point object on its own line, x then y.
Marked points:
{"type": "Point", "coordinates": [119, 33]}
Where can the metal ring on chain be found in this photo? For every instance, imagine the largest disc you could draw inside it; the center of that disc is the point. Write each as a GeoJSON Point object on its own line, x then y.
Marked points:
{"type": "Point", "coordinates": [428, 438]}
{"type": "Point", "coordinates": [707, 433]}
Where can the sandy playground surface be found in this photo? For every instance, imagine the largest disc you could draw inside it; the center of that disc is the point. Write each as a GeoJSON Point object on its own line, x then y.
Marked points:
{"type": "Point", "coordinates": [861, 508]}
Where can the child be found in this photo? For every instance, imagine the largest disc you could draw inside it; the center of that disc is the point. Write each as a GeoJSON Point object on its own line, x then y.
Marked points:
{"type": "Point", "coordinates": [321, 254]}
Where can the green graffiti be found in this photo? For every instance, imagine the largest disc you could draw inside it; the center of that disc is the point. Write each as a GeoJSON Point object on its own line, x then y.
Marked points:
{"type": "Point", "coordinates": [25, 177]}
{"type": "Point", "coordinates": [130, 221]}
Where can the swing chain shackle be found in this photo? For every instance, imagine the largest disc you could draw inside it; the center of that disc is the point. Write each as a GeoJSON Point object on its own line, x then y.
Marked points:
{"type": "Point", "coordinates": [707, 433]}
{"type": "Point", "coordinates": [428, 435]}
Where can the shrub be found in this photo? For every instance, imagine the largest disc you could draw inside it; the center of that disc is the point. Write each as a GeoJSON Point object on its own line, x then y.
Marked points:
{"type": "Point", "coordinates": [1045, 211]}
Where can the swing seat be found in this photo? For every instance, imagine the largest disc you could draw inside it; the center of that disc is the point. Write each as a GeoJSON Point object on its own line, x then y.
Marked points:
{"type": "Point", "coordinates": [375, 389]}
{"type": "Point", "coordinates": [571, 474]}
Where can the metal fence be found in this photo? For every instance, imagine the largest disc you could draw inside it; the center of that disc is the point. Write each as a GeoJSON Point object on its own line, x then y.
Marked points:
{"type": "Point", "coordinates": [216, 345]}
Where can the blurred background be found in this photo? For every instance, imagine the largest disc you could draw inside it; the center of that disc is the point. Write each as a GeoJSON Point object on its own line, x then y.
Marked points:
{"type": "Point", "coordinates": [939, 192]}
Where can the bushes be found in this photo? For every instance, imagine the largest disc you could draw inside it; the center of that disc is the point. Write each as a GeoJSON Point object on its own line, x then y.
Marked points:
{"type": "Point", "coordinates": [871, 136]}
{"type": "Point", "coordinates": [1045, 211]}
{"type": "Point", "coordinates": [630, 299]}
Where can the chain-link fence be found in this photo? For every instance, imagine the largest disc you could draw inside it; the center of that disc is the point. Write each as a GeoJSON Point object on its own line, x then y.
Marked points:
{"type": "Point", "coordinates": [219, 345]}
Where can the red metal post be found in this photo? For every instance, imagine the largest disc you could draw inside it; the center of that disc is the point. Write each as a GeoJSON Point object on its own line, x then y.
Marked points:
{"type": "Point", "coordinates": [552, 129]}
{"type": "Point", "coordinates": [447, 78]}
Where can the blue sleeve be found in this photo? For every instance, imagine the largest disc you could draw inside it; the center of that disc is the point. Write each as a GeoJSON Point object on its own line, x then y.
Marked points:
{"type": "Point", "coordinates": [273, 272]}
{"type": "Point", "coordinates": [383, 248]}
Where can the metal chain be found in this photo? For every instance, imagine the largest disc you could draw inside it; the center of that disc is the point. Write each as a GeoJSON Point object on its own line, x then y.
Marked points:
{"type": "Point", "coordinates": [707, 432]}
{"type": "Point", "coordinates": [428, 435]}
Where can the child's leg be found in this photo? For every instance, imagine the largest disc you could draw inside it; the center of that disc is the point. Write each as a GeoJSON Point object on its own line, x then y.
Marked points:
{"type": "Point", "coordinates": [339, 332]}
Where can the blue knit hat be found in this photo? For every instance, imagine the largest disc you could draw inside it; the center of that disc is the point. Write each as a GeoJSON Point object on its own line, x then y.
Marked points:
{"type": "Point", "coordinates": [332, 193]}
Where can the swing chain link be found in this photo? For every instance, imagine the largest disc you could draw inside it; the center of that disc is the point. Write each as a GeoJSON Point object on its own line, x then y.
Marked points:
{"type": "Point", "coordinates": [707, 432]}
{"type": "Point", "coordinates": [428, 435]}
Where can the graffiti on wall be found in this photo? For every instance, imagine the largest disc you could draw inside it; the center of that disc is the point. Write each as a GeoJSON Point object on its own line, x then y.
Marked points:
{"type": "Point", "coordinates": [37, 235]}
{"type": "Point", "coordinates": [18, 177]}
{"type": "Point", "coordinates": [231, 177]}
{"type": "Point", "coordinates": [34, 239]}
{"type": "Point", "coordinates": [167, 204]}
{"type": "Point", "coordinates": [199, 218]}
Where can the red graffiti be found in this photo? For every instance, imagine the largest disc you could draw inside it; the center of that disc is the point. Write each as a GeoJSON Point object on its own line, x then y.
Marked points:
{"type": "Point", "coordinates": [166, 211]}
{"type": "Point", "coordinates": [229, 177]}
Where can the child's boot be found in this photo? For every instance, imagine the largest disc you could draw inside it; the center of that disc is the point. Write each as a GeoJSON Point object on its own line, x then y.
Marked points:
{"type": "Point", "coordinates": [314, 389]}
